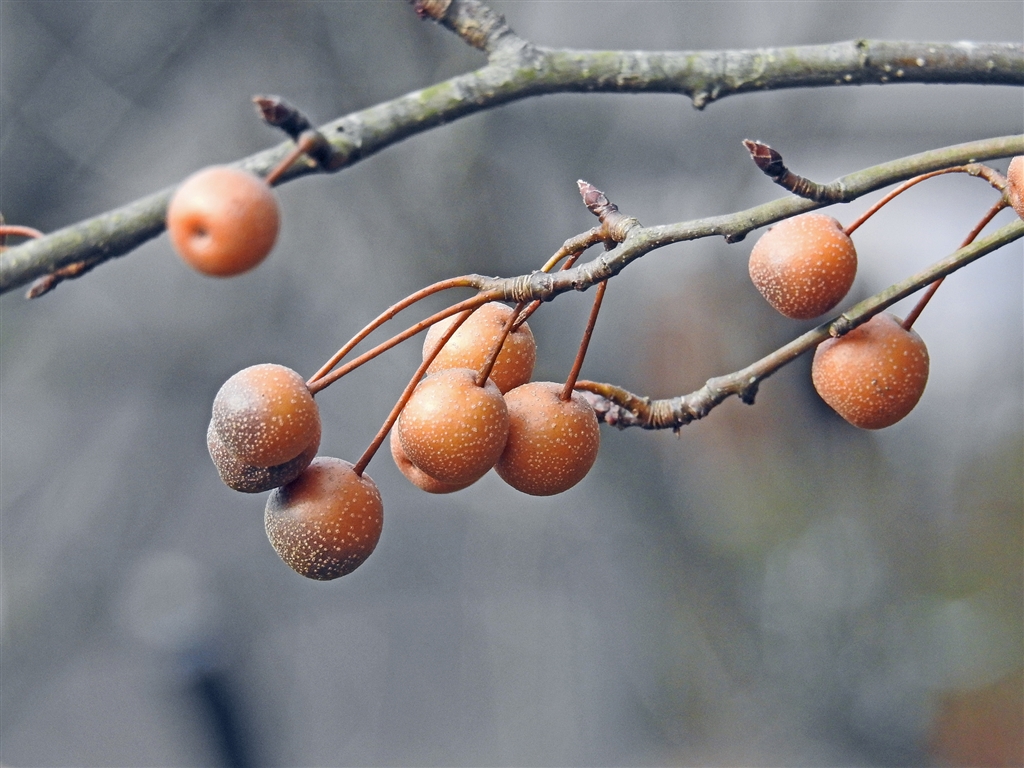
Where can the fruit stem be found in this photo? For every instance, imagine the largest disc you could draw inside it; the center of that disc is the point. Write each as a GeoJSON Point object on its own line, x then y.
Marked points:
{"type": "Point", "coordinates": [456, 282]}
{"type": "Point", "coordinates": [396, 411]}
{"type": "Point", "coordinates": [923, 302]}
{"type": "Point", "coordinates": [487, 367]}
{"type": "Point", "coordinates": [974, 169]}
{"type": "Point", "coordinates": [316, 384]}
{"type": "Point", "coordinates": [570, 382]}
{"type": "Point", "coordinates": [304, 144]}
{"type": "Point", "coordinates": [16, 230]}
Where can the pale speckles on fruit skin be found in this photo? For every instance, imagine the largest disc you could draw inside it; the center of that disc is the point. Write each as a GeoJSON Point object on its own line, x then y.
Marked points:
{"type": "Point", "coordinates": [327, 522]}
{"type": "Point", "coordinates": [265, 415]}
{"type": "Point", "coordinates": [804, 266]}
{"type": "Point", "coordinates": [452, 429]}
{"type": "Point", "coordinates": [247, 478]}
{"type": "Point", "coordinates": [874, 375]}
{"type": "Point", "coordinates": [470, 346]}
{"type": "Point", "coordinates": [1015, 185]}
{"type": "Point", "coordinates": [552, 443]}
{"type": "Point", "coordinates": [417, 476]}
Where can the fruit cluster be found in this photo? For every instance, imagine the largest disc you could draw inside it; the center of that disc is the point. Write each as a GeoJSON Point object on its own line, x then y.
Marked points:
{"type": "Point", "coordinates": [472, 405]}
{"type": "Point", "coordinates": [476, 409]}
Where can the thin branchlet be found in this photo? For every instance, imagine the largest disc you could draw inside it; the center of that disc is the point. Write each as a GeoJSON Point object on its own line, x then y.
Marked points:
{"type": "Point", "coordinates": [621, 408]}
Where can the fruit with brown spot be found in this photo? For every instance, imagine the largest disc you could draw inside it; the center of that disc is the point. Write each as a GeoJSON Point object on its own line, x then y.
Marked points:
{"type": "Point", "coordinates": [223, 221]}
{"type": "Point", "coordinates": [325, 523]}
{"type": "Point", "coordinates": [804, 266]}
{"type": "Point", "coordinates": [265, 415]}
{"type": "Point", "coordinates": [552, 443]}
{"type": "Point", "coordinates": [471, 345]}
{"type": "Point", "coordinates": [874, 375]}
{"type": "Point", "coordinates": [453, 429]}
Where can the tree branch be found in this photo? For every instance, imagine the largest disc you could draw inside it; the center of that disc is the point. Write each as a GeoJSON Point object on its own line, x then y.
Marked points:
{"type": "Point", "coordinates": [622, 409]}
{"type": "Point", "coordinates": [518, 70]}
{"type": "Point", "coordinates": [640, 240]}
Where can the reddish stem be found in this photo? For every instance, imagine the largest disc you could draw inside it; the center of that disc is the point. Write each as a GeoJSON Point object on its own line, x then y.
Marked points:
{"type": "Point", "coordinates": [390, 312]}
{"type": "Point", "coordinates": [17, 230]}
{"type": "Point", "coordinates": [305, 143]}
{"type": "Point", "coordinates": [492, 358]}
{"type": "Point", "coordinates": [973, 169]}
{"type": "Point", "coordinates": [317, 384]}
{"type": "Point", "coordinates": [396, 411]}
{"type": "Point", "coordinates": [570, 383]}
{"type": "Point", "coordinates": [923, 302]}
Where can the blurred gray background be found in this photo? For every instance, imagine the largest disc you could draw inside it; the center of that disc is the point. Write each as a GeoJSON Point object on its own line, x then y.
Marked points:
{"type": "Point", "coordinates": [774, 587]}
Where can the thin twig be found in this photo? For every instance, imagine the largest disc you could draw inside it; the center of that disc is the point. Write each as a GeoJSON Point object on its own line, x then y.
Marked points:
{"type": "Point", "coordinates": [523, 71]}
{"type": "Point", "coordinates": [618, 407]}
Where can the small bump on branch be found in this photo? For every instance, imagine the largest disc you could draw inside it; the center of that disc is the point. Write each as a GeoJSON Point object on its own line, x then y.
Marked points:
{"type": "Point", "coordinates": [616, 225]}
{"type": "Point", "coordinates": [474, 22]}
{"type": "Point", "coordinates": [278, 113]}
{"type": "Point", "coordinates": [771, 164]}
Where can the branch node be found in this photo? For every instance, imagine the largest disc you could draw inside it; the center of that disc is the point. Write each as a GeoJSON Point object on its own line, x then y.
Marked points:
{"type": "Point", "coordinates": [278, 113]}
{"type": "Point", "coordinates": [616, 224]}
{"type": "Point", "coordinates": [475, 23]}
{"type": "Point", "coordinates": [772, 165]}
{"type": "Point", "coordinates": [47, 283]}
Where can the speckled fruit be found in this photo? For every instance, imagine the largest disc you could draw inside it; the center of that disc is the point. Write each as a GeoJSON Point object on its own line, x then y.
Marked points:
{"type": "Point", "coordinates": [325, 523]}
{"type": "Point", "coordinates": [472, 344]}
{"type": "Point", "coordinates": [874, 375]}
{"type": "Point", "coordinates": [804, 266]}
{"type": "Point", "coordinates": [1015, 187]}
{"type": "Point", "coordinates": [452, 429]}
{"type": "Point", "coordinates": [247, 478]}
{"type": "Point", "coordinates": [223, 221]}
{"type": "Point", "coordinates": [417, 476]}
{"type": "Point", "coordinates": [552, 443]}
{"type": "Point", "coordinates": [265, 415]}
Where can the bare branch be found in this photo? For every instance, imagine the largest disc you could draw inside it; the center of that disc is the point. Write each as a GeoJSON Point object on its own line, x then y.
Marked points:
{"type": "Point", "coordinates": [522, 71]}
{"type": "Point", "coordinates": [622, 409]}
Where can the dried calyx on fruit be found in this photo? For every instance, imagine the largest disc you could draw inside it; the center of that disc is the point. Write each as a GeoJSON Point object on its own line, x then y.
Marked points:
{"type": "Point", "coordinates": [223, 221]}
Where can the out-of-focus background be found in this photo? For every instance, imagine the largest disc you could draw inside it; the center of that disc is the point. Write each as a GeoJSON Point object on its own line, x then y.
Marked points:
{"type": "Point", "coordinates": [773, 587]}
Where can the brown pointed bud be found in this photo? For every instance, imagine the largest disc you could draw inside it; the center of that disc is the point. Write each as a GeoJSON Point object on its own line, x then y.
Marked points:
{"type": "Point", "coordinates": [279, 113]}
{"type": "Point", "coordinates": [766, 158]}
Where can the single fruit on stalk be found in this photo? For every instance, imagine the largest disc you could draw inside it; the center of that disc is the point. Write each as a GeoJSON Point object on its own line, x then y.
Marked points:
{"type": "Point", "coordinates": [326, 522]}
{"type": "Point", "coordinates": [223, 221]}
{"type": "Point", "coordinates": [247, 478]}
{"type": "Point", "coordinates": [471, 345]}
{"type": "Point", "coordinates": [874, 375]}
{"type": "Point", "coordinates": [1015, 185]}
{"type": "Point", "coordinates": [453, 429]}
{"type": "Point", "coordinates": [417, 476]}
{"type": "Point", "coordinates": [265, 415]}
{"type": "Point", "coordinates": [804, 266]}
{"type": "Point", "coordinates": [552, 443]}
